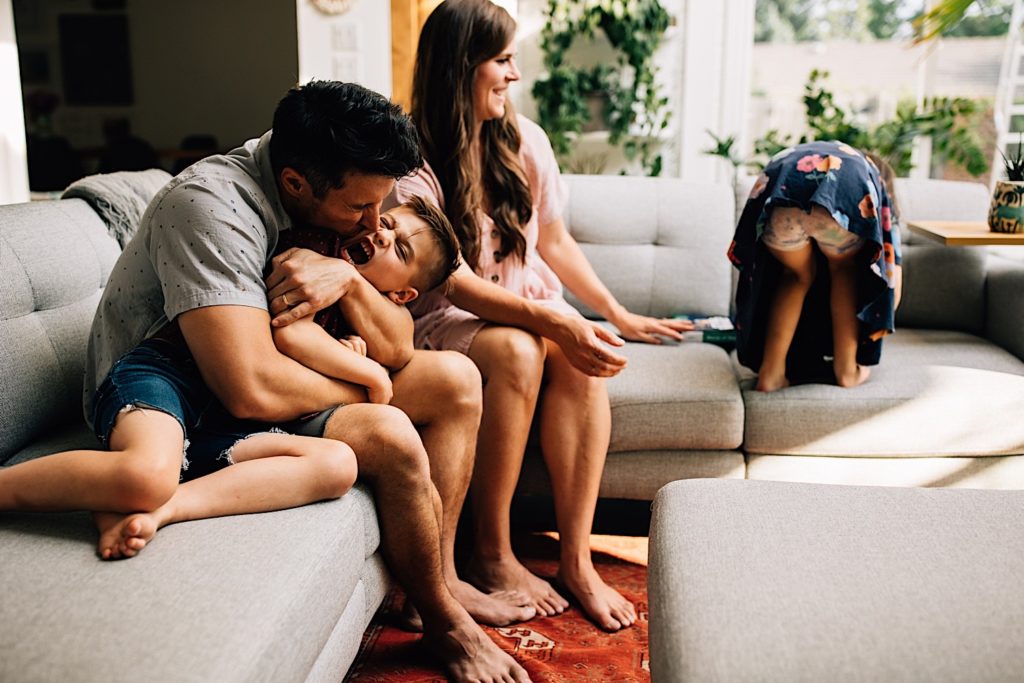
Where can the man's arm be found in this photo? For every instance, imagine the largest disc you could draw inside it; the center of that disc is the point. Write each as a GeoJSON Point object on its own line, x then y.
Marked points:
{"type": "Point", "coordinates": [311, 345]}
{"type": "Point", "coordinates": [581, 340]}
{"type": "Point", "coordinates": [303, 282]}
{"type": "Point", "coordinates": [237, 358]}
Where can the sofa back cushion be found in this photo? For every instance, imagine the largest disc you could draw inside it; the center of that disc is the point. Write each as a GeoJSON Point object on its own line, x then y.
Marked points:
{"type": "Point", "coordinates": [659, 244]}
{"type": "Point", "coordinates": [943, 287]}
{"type": "Point", "coordinates": [54, 260]}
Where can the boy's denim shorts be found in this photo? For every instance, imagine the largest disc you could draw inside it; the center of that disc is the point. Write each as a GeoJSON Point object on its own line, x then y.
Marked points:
{"type": "Point", "coordinates": [161, 375]}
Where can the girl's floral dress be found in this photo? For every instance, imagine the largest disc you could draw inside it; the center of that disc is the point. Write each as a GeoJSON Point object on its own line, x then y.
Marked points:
{"type": "Point", "coordinates": [845, 183]}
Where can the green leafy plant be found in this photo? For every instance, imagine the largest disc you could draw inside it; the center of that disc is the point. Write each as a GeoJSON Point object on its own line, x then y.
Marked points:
{"type": "Point", "coordinates": [1014, 164]}
{"type": "Point", "coordinates": [947, 120]}
{"type": "Point", "coordinates": [635, 108]}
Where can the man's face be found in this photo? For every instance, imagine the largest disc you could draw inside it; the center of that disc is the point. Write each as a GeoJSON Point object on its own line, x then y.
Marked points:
{"type": "Point", "coordinates": [356, 204]}
{"type": "Point", "coordinates": [394, 257]}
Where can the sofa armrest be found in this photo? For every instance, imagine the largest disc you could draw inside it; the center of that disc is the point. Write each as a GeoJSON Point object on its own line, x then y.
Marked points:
{"type": "Point", "coordinates": [1004, 314]}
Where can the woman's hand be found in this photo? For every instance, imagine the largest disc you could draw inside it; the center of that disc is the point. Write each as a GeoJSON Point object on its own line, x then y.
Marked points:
{"type": "Point", "coordinates": [583, 343]}
{"type": "Point", "coordinates": [303, 282]}
{"type": "Point", "coordinates": [635, 327]}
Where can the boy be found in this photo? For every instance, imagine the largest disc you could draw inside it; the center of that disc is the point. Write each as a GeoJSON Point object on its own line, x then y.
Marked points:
{"type": "Point", "coordinates": [414, 250]}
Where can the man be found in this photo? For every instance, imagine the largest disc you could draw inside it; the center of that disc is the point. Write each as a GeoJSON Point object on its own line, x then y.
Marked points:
{"type": "Point", "coordinates": [193, 275]}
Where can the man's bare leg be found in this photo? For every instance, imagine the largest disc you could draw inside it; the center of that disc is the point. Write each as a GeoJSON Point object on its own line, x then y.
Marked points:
{"type": "Point", "coordinates": [575, 428]}
{"type": "Point", "coordinates": [314, 469]}
{"type": "Point", "coordinates": [512, 364]}
{"type": "Point", "coordinates": [441, 393]}
{"type": "Point", "coordinates": [794, 283]}
{"type": "Point", "coordinates": [845, 326]}
{"type": "Point", "coordinates": [393, 461]}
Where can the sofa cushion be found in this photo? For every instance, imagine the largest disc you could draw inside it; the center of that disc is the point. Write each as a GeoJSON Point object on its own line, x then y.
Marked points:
{"type": "Point", "coordinates": [245, 598]}
{"type": "Point", "coordinates": [763, 581]}
{"type": "Point", "coordinates": [675, 396]}
{"type": "Point", "coordinates": [658, 244]}
{"type": "Point", "coordinates": [935, 393]}
{"type": "Point", "coordinates": [55, 258]}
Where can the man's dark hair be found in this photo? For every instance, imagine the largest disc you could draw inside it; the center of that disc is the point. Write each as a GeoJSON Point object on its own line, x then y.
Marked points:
{"type": "Point", "coordinates": [324, 129]}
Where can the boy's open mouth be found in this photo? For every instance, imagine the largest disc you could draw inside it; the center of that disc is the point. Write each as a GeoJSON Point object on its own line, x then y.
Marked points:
{"type": "Point", "coordinates": [360, 252]}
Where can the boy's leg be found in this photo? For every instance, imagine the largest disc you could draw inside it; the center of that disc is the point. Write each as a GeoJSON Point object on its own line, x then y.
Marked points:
{"type": "Point", "coordinates": [139, 472]}
{"type": "Point", "coordinates": [393, 461]}
{"type": "Point", "coordinates": [845, 326]}
{"type": "Point", "coordinates": [313, 469]}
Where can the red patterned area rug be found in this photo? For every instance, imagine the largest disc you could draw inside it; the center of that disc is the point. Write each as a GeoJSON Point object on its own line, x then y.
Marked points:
{"type": "Point", "coordinates": [552, 649]}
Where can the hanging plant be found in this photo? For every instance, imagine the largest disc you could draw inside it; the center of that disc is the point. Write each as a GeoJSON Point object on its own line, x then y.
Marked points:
{"type": "Point", "coordinates": [634, 108]}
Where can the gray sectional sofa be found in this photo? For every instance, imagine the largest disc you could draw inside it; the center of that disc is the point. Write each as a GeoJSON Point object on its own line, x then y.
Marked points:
{"type": "Point", "coordinates": [285, 596]}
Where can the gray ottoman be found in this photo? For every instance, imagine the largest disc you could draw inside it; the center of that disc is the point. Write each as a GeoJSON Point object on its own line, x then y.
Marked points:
{"type": "Point", "coordinates": [772, 581]}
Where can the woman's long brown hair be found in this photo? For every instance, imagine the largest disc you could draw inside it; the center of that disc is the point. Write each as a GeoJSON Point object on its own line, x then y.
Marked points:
{"type": "Point", "coordinates": [457, 37]}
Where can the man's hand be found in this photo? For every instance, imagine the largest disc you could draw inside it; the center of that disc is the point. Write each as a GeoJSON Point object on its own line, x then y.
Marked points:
{"type": "Point", "coordinates": [303, 282]}
{"type": "Point", "coordinates": [583, 343]}
{"type": "Point", "coordinates": [644, 328]}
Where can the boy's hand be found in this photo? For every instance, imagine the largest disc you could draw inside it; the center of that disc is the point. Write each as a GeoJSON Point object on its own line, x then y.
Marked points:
{"type": "Point", "coordinates": [354, 343]}
{"type": "Point", "coordinates": [303, 282]}
{"type": "Point", "coordinates": [381, 390]}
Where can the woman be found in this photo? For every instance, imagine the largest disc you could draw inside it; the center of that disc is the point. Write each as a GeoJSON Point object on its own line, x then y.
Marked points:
{"type": "Point", "coordinates": [496, 178]}
{"type": "Point", "coordinates": [819, 208]}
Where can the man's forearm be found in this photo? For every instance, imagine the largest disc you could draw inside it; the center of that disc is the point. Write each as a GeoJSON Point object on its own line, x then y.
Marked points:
{"type": "Point", "coordinates": [384, 326]}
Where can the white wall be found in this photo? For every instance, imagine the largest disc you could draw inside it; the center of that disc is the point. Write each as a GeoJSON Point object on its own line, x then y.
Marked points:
{"type": "Point", "coordinates": [354, 46]}
{"type": "Point", "coordinates": [13, 166]}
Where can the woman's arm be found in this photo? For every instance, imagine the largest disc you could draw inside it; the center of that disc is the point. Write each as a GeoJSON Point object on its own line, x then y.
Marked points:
{"type": "Point", "coordinates": [303, 282]}
{"type": "Point", "coordinates": [582, 341]}
{"type": "Point", "coordinates": [308, 343]}
{"type": "Point", "coordinates": [560, 251]}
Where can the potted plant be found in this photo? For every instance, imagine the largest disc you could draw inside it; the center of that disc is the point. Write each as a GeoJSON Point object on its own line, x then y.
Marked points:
{"type": "Point", "coordinates": [1006, 213]}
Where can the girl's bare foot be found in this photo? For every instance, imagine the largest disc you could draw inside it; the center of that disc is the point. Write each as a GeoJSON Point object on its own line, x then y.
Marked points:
{"type": "Point", "coordinates": [603, 604]}
{"type": "Point", "coordinates": [470, 656]}
{"type": "Point", "coordinates": [123, 536]}
{"type": "Point", "coordinates": [767, 383]}
{"type": "Point", "coordinates": [854, 377]}
{"type": "Point", "coordinates": [511, 577]}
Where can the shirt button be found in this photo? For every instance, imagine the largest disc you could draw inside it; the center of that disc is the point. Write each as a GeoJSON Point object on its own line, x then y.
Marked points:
{"type": "Point", "coordinates": [498, 257]}
{"type": "Point", "coordinates": [494, 278]}
{"type": "Point", "coordinates": [494, 234]}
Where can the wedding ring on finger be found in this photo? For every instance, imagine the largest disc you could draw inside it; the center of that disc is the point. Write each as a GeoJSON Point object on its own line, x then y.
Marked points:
{"type": "Point", "coordinates": [284, 298]}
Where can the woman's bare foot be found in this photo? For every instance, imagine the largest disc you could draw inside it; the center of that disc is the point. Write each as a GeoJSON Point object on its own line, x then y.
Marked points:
{"type": "Point", "coordinates": [767, 383]}
{"type": "Point", "coordinates": [470, 656]}
{"type": "Point", "coordinates": [854, 377]}
{"type": "Point", "coordinates": [602, 603]}
{"type": "Point", "coordinates": [511, 577]}
{"type": "Point", "coordinates": [123, 536]}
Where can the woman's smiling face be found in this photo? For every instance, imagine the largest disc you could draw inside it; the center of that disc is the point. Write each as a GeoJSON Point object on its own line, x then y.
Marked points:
{"type": "Point", "coordinates": [490, 84]}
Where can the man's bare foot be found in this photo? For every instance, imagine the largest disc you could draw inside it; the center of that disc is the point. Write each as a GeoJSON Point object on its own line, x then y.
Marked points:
{"type": "Point", "coordinates": [123, 536]}
{"type": "Point", "coordinates": [470, 656]}
{"type": "Point", "coordinates": [500, 608]}
{"type": "Point", "coordinates": [853, 378]}
{"type": "Point", "coordinates": [602, 603]}
{"type": "Point", "coordinates": [767, 383]}
{"type": "Point", "coordinates": [511, 577]}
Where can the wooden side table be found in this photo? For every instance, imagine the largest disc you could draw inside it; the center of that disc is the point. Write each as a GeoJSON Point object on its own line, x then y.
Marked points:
{"type": "Point", "coordinates": [964, 233]}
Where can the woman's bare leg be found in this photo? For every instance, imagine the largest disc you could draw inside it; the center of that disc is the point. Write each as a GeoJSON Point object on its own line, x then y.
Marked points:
{"type": "Point", "coordinates": [271, 472]}
{"type": "Point", "coordinates": [845, 326]}
{"type": "Point", "coordinates": [512, 364]}
{"type": "Point", "coordinates": [575, 428]}
{"type": "Point", "coordinates": [798, 274]}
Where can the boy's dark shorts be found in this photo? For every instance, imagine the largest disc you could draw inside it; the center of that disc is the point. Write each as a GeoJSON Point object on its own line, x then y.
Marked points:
{"type": "Point", "coordinates": [161, 375]}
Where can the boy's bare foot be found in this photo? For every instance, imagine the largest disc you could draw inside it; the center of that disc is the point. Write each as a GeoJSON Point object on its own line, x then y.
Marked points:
{"type": "Point", "coordinates": [511, 577]}
{"type": "Point", "coordinates": [766, 383]}
{"type": "Point", "coordinates": [123, 536]}
{"type": "Point", "coordinates": [470, 656]}
{"type": "Point", "coordinates": [603, 604]}
{"type": "Point", "coordinates": [496, 609]}
{"type": "Point", "coordinates": [853, 378]}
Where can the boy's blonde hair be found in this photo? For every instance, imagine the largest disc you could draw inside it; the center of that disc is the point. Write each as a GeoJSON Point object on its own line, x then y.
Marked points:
{"type": "Point", "coordinates": [437, 271]}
